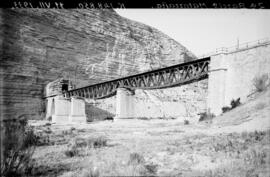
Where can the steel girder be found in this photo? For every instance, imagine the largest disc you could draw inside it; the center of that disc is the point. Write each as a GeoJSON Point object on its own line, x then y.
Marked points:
{"type": "Point", "coordinates": [157, 79]}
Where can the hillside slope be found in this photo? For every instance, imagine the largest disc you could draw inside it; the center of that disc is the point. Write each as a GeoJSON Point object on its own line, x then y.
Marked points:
{"type": "Point", "coordinates": [253, 115]}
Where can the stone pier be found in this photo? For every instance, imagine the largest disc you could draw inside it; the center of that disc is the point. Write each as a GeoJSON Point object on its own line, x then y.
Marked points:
{"type": "Point", "coordinates": [58, 109]}
{"type": "Point", "coordinates": [63, 110]}
{"type": "Point", "coordinates": [124, 103]}
{"type": "Point", "coordinates": [77, 110]}
{"type": "Point", "coordinates": [216, 84]}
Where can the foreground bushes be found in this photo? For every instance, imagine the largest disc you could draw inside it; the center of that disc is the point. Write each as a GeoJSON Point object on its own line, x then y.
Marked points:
{"type": "Point", "coordinates": [77, 144]}
{"type": "Point", "coordinates": [206, 116]}
{"type": "Point", "coordinates": [18, 145]}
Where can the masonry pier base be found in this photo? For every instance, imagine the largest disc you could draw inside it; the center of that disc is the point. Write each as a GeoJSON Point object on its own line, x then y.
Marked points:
{"type": "Point", "coordinates": [124, 103]}
{"type": "Point", "coordinates": [63, 110]}
{"type": "Point", "coordinates": [77, 111]}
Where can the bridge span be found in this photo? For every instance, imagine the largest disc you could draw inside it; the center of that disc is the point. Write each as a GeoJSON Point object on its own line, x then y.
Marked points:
{"type": "Point", "coordinates": [171, 76]}
{"type": "Point", "coordinates": [230, 76]}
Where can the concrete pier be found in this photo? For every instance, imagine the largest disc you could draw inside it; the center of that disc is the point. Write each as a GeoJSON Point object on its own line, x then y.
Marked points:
{"type": "Point", "coordinates": [216, 84]}
{"type": "Point", "coordinates": [77, 110]}
{"type": "Point", "coordinates": [124, 103]}
{"type": "Point", "coordinates": [60, 109]}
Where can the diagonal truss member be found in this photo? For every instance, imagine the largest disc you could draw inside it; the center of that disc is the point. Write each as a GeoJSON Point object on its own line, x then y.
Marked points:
{"type": "Point", "coordinates": [157, 79]}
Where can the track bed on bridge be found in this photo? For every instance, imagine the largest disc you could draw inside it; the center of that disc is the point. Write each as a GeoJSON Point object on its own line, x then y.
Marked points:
{"type": "Point", "coordinates": [234, 144]}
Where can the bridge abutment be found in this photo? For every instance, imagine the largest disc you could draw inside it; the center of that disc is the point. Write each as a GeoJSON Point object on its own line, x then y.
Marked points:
{"type": "Point", "coordinates": [124, 103]}
{"type": "Point", "coordinates": [232, 74]}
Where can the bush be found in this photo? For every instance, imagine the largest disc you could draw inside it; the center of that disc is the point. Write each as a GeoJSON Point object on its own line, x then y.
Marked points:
{"type": "Point", "coordinates": [19, 144]}
{"type": "Point", "coordinates": [150, 169]}
{"type": "Point", "coordinates": [186, 122]}
{"type": "Point", "coordinates": [74, 146]}
{"type": "Point", "coordinates": [234, 104]}
{"type": "Point", "coordinates": [226, 109]}
{"type": "Point", "coordinates": [77, 144]}
{"type": "Point", "coordinates": [97, 142]}
{"type": "Point", "coordinates": [72, 151]}
{"type": "Point", "coordinates": [135, 158]}
{"type": "Point", "coordinates": [206, 116]}
{"type": "Point", "coordinates": [260, 82]}
{"type": "Point", "coordinates": [30, 138]}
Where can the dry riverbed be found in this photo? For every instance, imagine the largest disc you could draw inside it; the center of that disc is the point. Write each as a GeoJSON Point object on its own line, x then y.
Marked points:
{"type": "Point", "coordinates": [149, 147]}
{"type": "Point", "coordinates": [234, 144]}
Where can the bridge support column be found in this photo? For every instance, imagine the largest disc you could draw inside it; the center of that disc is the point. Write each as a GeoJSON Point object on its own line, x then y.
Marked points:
{"type": "Point", "coordinates": [59, 109]}
{"type": "Point", "coordinates": [50, 108]}
{"type": "Point", "coordinates": [77, 110]}
{"type": "Point", "coordinates": [124, 103]}
{"type": "Point", "coordinates": [216, 84]}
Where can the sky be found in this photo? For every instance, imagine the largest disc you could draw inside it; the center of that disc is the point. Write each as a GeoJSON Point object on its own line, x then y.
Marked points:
{"type": "Point", "coordinates": [202, 31]}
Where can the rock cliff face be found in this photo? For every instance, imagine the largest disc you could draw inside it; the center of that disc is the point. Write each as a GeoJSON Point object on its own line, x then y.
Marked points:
{"type": "Point", "coordinates": [84, 46]}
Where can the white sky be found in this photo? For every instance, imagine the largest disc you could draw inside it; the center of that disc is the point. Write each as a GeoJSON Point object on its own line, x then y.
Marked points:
{"type": "Point", "coordinates": [202, 31]}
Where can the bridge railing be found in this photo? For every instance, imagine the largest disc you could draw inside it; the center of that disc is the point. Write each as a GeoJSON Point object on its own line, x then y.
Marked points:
{"type": "Point", "coordinates": [234, 48]}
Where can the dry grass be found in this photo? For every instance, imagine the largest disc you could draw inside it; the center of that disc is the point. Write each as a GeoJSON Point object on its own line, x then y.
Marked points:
{"type": "Point", "coordinates": [161, 148]}
{"type": "Point", "coordinates": [78, 145]}
{"type": "Point", "coordinates": [135, 158]}
{"type": "Point", "coordinates": [93, 156]}
{"type": "Point", "coordinates": [19, 143]}
{"type": "Point", "coordinates": [260, 106]}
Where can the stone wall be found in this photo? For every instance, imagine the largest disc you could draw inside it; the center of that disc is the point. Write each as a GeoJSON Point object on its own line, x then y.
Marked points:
{"type": "Point", "coordinates": [83, 46]}
{"type": "Point", "coordinates": [231, 75]}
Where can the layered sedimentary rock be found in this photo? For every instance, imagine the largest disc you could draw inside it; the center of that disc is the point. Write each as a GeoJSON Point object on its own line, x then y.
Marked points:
{"type": "Point", "coordinates": [84, 46]}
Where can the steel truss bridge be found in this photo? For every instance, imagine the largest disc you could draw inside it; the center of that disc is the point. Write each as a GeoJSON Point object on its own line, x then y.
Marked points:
{"type": "Point", "coordinates": [171, 76]}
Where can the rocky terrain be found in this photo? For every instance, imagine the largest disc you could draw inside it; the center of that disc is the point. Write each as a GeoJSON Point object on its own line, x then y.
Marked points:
{"type": "Point", "coordinates": [84, 46]}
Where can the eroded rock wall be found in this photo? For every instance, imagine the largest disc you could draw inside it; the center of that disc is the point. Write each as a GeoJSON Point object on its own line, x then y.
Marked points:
{"type": "Point", "coordinates": [84, 46]}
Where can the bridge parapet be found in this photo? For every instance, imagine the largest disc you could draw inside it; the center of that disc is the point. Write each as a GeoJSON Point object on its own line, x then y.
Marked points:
{"type": "Point", "coordinates": [58, 87]}
{"type": "Point", "coordinates": [237, 48]}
